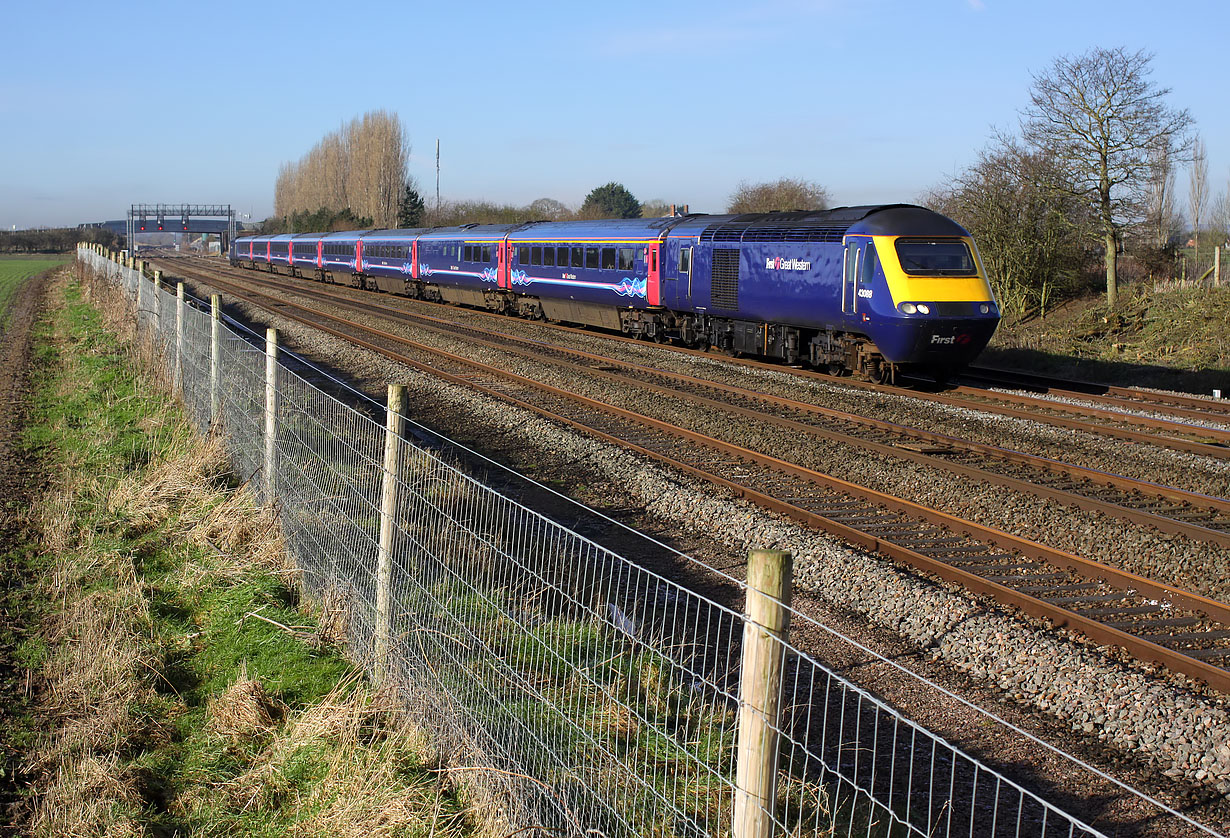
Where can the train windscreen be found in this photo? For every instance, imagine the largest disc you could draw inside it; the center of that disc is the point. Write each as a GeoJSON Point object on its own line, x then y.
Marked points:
{"type": "Point", "coordinates": [936, 257]}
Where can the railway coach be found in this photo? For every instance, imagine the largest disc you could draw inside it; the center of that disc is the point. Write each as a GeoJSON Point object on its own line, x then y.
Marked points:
{"type": "Point", "coordinates": [870, 289]}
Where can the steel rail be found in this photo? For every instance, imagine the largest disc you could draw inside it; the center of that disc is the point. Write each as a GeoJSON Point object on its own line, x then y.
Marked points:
{"type": "Point", "coordinates": [1222, 435]}
{"type": "Point", "coordinates": [1100, 631]}
{"type": "Point", "coordinates": [1204, 505]}
{"type": "Point", "coordinates": [1212, 444]}
{"type": "Point", "coordinates": [1177, 403]}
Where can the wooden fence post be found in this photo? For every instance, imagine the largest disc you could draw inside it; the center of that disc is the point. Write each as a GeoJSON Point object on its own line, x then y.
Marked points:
{"type": "Point", "coordinates": [393, 428]}
{"type": "Point", "coordinates": [140, 301]}
{"type": "Point", "coordinates": [271, 415]}
{"type": "Point", "coordinates": [177, 385]}
{"type": "Point", "coordinates": [157, 303]}
{"type": "Point", "coordinates": [766, 623]}
{"type": "Point", "coordinates": [215, 359]}
{"type": "Point", "coordinates": [1217, 266]}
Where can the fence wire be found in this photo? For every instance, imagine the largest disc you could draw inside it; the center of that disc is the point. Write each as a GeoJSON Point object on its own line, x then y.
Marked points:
{"type": "Point", "coordinates": [587, 695]}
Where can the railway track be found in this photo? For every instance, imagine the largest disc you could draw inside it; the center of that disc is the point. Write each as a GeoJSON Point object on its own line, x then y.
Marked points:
{"type": "Point", "coordinates": [1178, 405]}
{"type": "Point", "coordinates": [1120, 418]}
{"type": "Point", "coordinates": [1183, 631]}
{"type": "Point", "coordinates": [1171, 510]}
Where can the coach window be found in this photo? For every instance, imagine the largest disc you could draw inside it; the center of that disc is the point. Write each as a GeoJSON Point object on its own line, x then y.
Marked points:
{"type": "Point", "coordinates": [627, 258]}
{"type": "Point", "coordinates": [469, 253]}
{"type": "Point", "coordinates": [685, 261]}
{"type": "Point", "coordinates": [486, 253]}
{"type": "Point", "coordinates": [536, 255]}
{"type": "Point", "coordinates": [548, 256]}
{"type": "Point", "coordinates": [523, 255]}
{"type": "Point", "coordinates": [608, 258]}
{"type": "Point", "coordinates": [578, 257]}
{"type": "Point", "coordinates": [591, 257]}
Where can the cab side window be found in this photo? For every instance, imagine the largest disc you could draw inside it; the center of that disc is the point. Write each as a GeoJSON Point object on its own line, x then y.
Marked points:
{"type": "Point", "coordinates": [685, 261]}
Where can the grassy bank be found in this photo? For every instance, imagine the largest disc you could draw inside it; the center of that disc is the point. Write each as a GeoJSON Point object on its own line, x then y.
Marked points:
{"type": "Point", "coordinates": [1175, 339]}
{"type": "Point", "coordinates": [181, 687]}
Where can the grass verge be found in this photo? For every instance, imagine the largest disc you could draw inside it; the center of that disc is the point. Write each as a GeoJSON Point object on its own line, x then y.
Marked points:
{"type": "Point", "coordinates": [178, 692]}
{"type": "Point", "coordinates": [1169, 338]}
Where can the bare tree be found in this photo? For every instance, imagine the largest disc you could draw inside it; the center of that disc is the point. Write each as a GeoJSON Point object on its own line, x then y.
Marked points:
{"type": "Point", "coordinates": [1219, 218]}
{"type": "Point", "coordinates": [1103, 121]}
{"type": "Point", "coordinates": [655, 208]}
{"type": "Point", "coordinates": [1198, 192]}
{"type": "Point", "coordinates": [360, 168]}
{"type": "Point", "coordinates": [549, 209]}
{"type": "Point", "coordinates": [781, 195]}
{"type": "Point", "coordinates": [1160, 216]}
{"type": "Point", "coordinates": [1031, 230]}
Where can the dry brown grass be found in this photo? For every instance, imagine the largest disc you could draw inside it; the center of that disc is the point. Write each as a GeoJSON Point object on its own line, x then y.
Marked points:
{"type": "Point", "coordinates": [246, 710]}
{"type": "Point", "coordinates": [349, 765]}
{"type": "Point", "coordinates": [93, 795]}
{"type": "Point", "coordinates": [333, 621]}
{"type": "Point", "coordinates": [364, 751]}
{"type": "Point", "coordinates": [185, 486]}
{"type": "Point", "coordinates": [95, 686]}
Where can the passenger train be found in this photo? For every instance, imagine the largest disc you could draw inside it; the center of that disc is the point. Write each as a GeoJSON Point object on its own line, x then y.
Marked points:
{"type": "Point", "coordinates": [870, 289]}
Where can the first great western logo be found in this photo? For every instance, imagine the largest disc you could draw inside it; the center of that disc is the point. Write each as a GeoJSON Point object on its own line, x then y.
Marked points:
{"type": "Point", "coordinates": [777, 263]}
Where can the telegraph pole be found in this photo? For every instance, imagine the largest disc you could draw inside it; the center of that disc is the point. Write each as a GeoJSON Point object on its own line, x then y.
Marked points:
{"type": "Point", "coordinates": [437, 174]}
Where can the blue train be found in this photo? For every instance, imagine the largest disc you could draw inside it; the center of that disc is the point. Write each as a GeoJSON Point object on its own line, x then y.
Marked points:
{"type": "Point", "coordinates": [870, 289]}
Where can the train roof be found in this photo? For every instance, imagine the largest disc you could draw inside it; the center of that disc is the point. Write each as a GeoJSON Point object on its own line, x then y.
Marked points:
{"type": "Point", "coordinates": [830, 225]}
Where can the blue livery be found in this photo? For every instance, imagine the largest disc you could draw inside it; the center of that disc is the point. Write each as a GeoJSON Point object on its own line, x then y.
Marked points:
{"type": "Point", "coordinates": [869, 289]}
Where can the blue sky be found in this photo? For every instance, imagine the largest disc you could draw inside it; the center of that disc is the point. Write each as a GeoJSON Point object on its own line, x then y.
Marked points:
{"type": "Point", "coordinates": [104, 105]}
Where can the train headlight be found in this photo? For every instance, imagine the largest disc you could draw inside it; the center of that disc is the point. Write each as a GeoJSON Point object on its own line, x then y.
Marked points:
{"type": "Point", "coordinates": [908, 308]}
{"type": "Point", "coordinates": [923, 308]}
{"type": "Point", "coordinates": [984, 309]}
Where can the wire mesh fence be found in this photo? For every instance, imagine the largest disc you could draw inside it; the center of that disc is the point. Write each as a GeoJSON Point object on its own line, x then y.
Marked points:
{"type": "Point", "coordinates": [580, 692]}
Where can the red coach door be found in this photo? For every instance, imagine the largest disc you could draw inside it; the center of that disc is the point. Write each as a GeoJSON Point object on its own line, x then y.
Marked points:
{"type": "Point", "coordinates": [414, 259]}
{"type": "Point", "coordinates": [320, 253]}
{"type": "Point", "coordinates": [501, 275]}
{"type": "Point", "coordinates": [358, 256]}
{"type": "Point", "coordinates": [653, 288]}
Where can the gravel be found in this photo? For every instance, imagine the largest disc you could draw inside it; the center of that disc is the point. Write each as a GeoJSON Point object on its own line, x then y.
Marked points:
{"type": "Point", "coordinates": [1196, 566]}
{"type": "Point", "coordinates": [1177, 725]}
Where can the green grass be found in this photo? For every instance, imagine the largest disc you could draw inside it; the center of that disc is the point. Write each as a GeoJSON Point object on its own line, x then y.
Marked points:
{"type": "Point", "coordinates": [1173, 339]}
{"type": "Point", "coordinates": [194, 636]}
{"type": "Point", "coordinates": [121, 539]}
{"type": "Point", "coordinates": [15, 270]}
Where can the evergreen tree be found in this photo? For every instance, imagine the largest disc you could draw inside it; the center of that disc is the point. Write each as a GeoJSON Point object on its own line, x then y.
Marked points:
{"type": "Point", "coordinates": [410, 211]}
{"type": "Point", "coordinates": [612, 200]}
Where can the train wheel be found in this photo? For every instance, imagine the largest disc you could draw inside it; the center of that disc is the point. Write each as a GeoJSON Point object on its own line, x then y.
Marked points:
{"type": "Point", "coordinates": [877, 371]}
